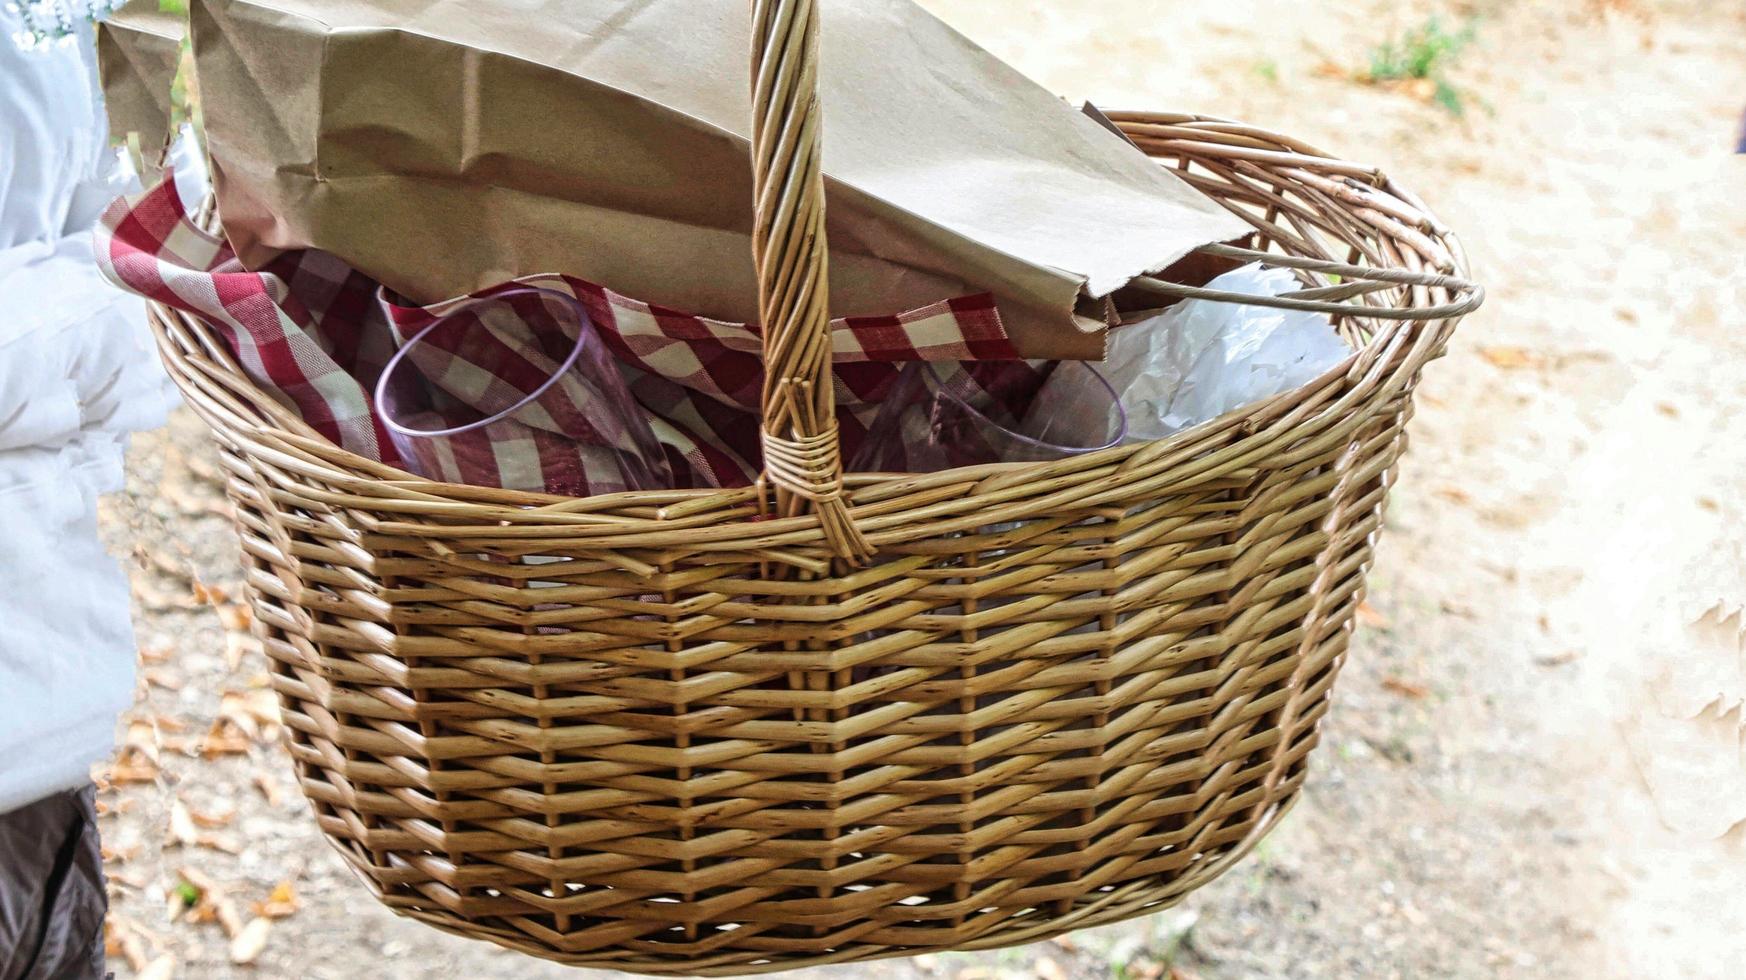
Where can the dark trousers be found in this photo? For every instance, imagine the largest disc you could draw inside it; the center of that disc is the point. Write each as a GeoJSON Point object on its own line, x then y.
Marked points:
{"type": "Point", "coordinates": [52, 901]}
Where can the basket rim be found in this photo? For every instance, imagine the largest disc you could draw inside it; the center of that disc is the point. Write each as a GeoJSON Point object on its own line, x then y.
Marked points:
{"type": "Point", "coordinates": [229, 400]}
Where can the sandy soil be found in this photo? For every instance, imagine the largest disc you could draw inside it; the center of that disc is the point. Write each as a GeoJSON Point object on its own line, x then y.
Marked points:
{"type": "Point", "coordinates": [1535, 768]}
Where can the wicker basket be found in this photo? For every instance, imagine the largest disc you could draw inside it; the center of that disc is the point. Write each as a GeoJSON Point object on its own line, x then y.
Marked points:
{"type": "Point", "coordinates": [694, 732]}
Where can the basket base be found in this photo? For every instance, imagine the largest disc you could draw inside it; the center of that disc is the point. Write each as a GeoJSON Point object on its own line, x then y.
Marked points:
{"type": "Point", "coordinates": [1097, 908]}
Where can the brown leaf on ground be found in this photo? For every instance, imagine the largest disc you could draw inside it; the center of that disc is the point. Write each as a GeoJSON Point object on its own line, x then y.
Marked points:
{"type": "Point", "coordinates": [119, 855]}
{"type": "Point", "coordinates": [1454, 495]}
{"type": "Point", "coordinates": [280, 903]}
{"type": "Point", "coordinates": [233, 711]}
{"type": "Point", "coordinates": [269, 788]}
{"type": "Point", "coordinates": [219, 842]}
{"type": "Point", "coordinates": [133, 881]}
{"type": "Point", "coordinates": [209, 593]}
{"type": "Point", "coordinates": [249, 943]}
{"type": "Point", "coordinates": [182, 829]}
{"type": "Point", "coordinates": [225, 737]}
{"type": "Point", "coordinates": [105, 808]}
{"type": "Point", "coordinates": [228, 919]}
{"type": "Point", "coordinates": [254, 710]}
{"type": "Point", "coordinates": [157, 599]}
{"type": "Point", "coordinates": [157, 653]}
{"type": "Point", "coordinates": [143, 737]}
{"type": "Point", "coordinates": [1048, 969]}
{"type": "Point", "coordinates": [212, 821]}
{"type": "Point", "coordinates": [235, 616]}
{"type": "Point", "coordinates": [125, 939]}
{"type": "Point", "coordinates": [160, 678]}
{"type": "Point", "coordinates": [1370, 617]}
{"type": "Point", "coordinates": [236, 647]}
{"type": "Point", "coordinates": [1405, 688]}
{"type": "Point", "coordinates": [162, 968]}
{"type": "Point", "coordinates": [1507, 357]}
{"type": "Point", "coordinates": [129, 768]}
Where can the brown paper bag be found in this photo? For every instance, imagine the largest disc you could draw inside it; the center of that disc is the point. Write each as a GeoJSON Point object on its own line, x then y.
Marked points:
{"type": "Point", "coordinates": [139, 47]}
{"type": "Point", "coordinates": [442, 145]}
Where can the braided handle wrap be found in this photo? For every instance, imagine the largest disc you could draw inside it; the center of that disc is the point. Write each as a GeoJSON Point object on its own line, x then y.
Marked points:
{"type": "Point", "coordinates": [802, 454]}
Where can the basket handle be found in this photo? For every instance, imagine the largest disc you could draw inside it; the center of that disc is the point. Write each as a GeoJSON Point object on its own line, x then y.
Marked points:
{"type": "Point", "coordinates": [802, 454]}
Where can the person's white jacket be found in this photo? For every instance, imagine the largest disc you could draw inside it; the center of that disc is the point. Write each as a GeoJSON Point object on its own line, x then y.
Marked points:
{"type": "Point", "coordinates": [77, 373]}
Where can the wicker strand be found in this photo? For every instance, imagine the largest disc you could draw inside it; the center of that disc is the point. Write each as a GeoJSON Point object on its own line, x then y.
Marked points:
{"type": "Point", "coordinates": [801, 457]}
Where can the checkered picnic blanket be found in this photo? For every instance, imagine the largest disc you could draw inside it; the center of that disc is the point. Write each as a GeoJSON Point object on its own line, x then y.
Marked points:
{"type": "Point", "coordinates": [312, 333]}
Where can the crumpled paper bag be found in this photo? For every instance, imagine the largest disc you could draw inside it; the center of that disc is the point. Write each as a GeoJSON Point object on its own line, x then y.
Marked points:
{"type": "Point", "coordinates": [441, 146]}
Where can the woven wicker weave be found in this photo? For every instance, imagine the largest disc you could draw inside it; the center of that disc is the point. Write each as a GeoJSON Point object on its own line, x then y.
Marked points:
{"type": "Point", "coordinates": [684, 733]}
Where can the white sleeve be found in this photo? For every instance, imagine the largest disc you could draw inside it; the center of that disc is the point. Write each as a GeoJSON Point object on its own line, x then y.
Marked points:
{"type": "Point", "coordinates": [75, 353]}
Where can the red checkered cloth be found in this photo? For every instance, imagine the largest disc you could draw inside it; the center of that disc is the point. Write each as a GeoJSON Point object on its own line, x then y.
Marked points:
{"type": "Point", "coordinates": [312, 333]}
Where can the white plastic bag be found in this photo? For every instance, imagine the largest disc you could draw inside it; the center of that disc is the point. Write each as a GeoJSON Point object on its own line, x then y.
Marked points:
{"type": "Point", "coordinates": [1200, 359]}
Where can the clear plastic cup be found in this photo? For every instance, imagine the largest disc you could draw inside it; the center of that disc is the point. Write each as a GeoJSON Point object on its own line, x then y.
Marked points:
{"type": "Point", "coordinates": [517, 390]}
{"type": "Point", "coordinates": [928, 423]}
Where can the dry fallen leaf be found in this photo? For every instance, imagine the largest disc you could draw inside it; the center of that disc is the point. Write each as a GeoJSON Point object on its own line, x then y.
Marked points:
{"type": "Point", "coordinates": [237, 646]}
{"type": "Point", "coordinates": [282, 902]}
{"type": "Point", "coordinates": [235, 616]}
{"type": "Point", "coordinates": [218, 842]}
{"type": "Point", "coordinates": [162, 968]}
{"type": "Point", "coordinates": [1507, 358]}
{"type": "Point", "coordinates": [269, 788]}
{"type": "Point", "coordinates": [160, 678]}
{"type": "Point", "coordinates": [118, 855]}
{"type": "Point", "coordinates": [182, 830]}
{"type": "Point", "coordinates": [122, 938]}
{"type": "Point", "coordinates": [1454, 494]}
{"type": "Point", "coordinates": [169, 723]}
{"type": "Point", "coordinates": [135, 881]}
{"type": "Point", "coordinates": [1370, 618]}
{"type": "Point", "coordinates": [1048, 969]}
{"type": "Point", "coordinates": [209, 593]}
{"type": "Point", "coordinates": [249, 943]}
{"type": "Point", "coordinates": [263, 703]}
{"type": "Point", "coordinates": [225, 737]}
{"type": "Point", "coordinates": [131, 769]}
{"type": "Point", "coordinates": [212, 821]}
{"type": "Point", "coordinates": [158, 600]}
{"type": "Point", "coordinates": [1405, 688]}
{"type": "Point", "coordinates": [225, 912]}
{"type": "Point", "coordinates": [143, 737]}
{"type": "Point", "coordinates": [254, 712]}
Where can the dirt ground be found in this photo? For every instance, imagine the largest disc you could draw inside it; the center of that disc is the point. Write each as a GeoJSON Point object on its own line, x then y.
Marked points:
{"type": "Point", "coordinates": [1535, 767]}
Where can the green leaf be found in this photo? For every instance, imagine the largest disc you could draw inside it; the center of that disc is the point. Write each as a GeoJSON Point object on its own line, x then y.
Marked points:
{"type": "Point", "coordinates": [189, 894]}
